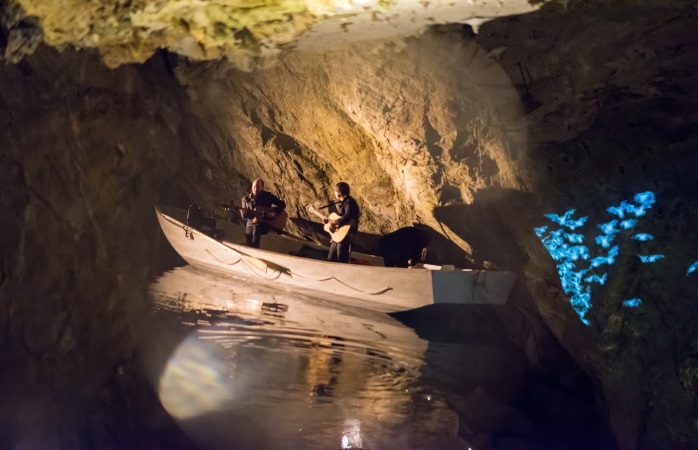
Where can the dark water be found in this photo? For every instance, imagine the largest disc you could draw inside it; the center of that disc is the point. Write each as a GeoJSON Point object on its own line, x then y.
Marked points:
{"type": "Point", "coordinates": [258, 367]}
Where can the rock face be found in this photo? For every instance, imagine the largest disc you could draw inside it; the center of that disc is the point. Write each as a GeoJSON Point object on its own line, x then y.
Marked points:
{"type": "Point", "coordinates": [477, 136]}
{"type": "Point", "coordinates": [392, 126]}
{"type": "Point", "coordinates": [614, 122]}
{"type": "Point", "coordinates": [249, 34]}
{"type": "Point", "coordinates": [81, 188]}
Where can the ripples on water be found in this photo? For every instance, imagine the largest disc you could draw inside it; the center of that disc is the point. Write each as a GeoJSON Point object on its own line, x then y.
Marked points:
{"type": "Point", "coordinates": [266, 368]}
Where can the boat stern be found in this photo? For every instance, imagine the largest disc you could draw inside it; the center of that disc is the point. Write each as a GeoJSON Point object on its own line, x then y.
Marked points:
{"type": "Point", "coordinates": [472, 286]}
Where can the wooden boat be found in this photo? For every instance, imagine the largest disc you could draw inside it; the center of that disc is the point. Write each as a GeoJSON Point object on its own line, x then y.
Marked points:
{"type": "Point", "coordinates": [300, 265]}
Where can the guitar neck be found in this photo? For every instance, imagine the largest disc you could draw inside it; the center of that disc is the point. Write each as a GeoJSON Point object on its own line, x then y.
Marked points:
{"type": "Point", "coordinates": [318, 213]}
{"type": "Point", "coordinates": [228, 206]}
{"type": "Point", "coordinates": [257, 209]}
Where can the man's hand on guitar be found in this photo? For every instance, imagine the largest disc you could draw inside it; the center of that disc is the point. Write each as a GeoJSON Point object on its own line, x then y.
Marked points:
{"type": "Point", "coordinates": [333, 224]}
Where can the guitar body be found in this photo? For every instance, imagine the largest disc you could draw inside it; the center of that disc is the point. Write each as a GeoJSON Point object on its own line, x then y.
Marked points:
{"type": "Point", "coordinates": [337, 235]}
{"type": "Point", "coordinates": [340, 233]}
{"type": "Point", "coordinates": [276, 221]}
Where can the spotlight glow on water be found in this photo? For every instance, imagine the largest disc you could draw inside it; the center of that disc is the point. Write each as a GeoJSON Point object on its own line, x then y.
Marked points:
{"type": "Point", "coordinates": [259, 367]}
{"type": "Point", "coordinates": [194, 381]}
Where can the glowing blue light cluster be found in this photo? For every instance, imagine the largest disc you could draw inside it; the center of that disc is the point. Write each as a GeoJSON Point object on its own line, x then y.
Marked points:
{"type": "Point", "coordinates": [650, 258]}
{"type": "Point", "coordinates": [692, 268]}
{"type": "Point", "coordinates": [566, 220]}
{"type": "Point", "coordinates": [632, 303]}
{"type": "Point", "coordinates": [576, 266]}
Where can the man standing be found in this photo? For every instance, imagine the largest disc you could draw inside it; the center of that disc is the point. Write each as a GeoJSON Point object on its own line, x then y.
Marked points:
{"type": "Point", "coordinates": [349, 214]}
{"type": "Point", "coordinates": [255, 206]}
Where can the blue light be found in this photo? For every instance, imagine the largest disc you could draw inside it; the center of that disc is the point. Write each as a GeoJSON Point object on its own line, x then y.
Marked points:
{"type": "Point", "coordinates": [575, 238]}
{"type": "Point", "coordinates": [627, 224]}
{"type": "Point", "coordinates": [609, 259]}
{"type": "Point", "coordinates": [609, 227]}
{"type": "Point", "coordinates": [566, 252]}
{"type": "Point", "coordinates": [692, 268]}
{"type": "Point", "coordinates": [632, 303]}
{"type": "Point", "coordinates": [579, 252]}
{"type": "Point", "coordinates": [540, 230]}
{"type": "Point", "coordinates": [646, 199]}
{"type": "Point", "coordinates": [650, 258]}
{"type": "Point", "coordinates": [639, 211]}
{"type": "Point", "coordinates": [574, 260]}
{"type": "Point", "coordinates": [604, 240]}
{"type": "Point", "coordinates": [566, 221]}
{"type": "Point", "coordinates": [596, 279]}
{"type": "Point", "coordinates": [618, 210]}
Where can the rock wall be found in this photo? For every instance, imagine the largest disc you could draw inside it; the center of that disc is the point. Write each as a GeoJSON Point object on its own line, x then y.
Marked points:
{"type": "Point", "coordinates": [573, 107]}
{"type": "Point", "coordinates": [411, 126]}
{"type": "Point", "coordinates": [609, 93]}
{"type": "Point", "coordinates": [86, 153]}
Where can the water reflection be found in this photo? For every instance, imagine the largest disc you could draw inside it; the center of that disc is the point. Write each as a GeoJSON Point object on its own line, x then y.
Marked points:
{"type": "Point", "coordinates": [266, 368]}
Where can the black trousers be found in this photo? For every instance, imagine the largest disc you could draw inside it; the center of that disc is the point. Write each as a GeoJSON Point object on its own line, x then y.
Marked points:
{"type": "Point", "coordinates": [254, 232]}
{"type": "Point", "coordinates": [340, 251]}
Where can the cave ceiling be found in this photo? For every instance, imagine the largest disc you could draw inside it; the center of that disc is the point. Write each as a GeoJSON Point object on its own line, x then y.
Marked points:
{"type": "Point", "coordinates": [475, 117]}
{"type": "Point", "coordinates": [249, 33]}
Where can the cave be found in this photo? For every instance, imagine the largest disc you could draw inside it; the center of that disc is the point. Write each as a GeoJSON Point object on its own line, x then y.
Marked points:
{"type": "Point", "coordinates": [518, 131]}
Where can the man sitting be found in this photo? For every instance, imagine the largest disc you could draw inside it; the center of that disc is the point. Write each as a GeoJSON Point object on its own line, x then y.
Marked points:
{"type": "Point", "coordinates": [404, 247]}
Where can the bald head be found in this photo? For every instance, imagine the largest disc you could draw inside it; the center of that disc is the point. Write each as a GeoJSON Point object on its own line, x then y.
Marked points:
{"type": "Point", "coordinates": [257, 187]}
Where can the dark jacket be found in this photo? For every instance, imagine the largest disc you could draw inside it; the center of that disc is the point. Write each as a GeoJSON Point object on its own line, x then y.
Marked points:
{"type": "Point", "coordinates": [264, 198]}
{"type": "Point", "coordinates": [349, 213]}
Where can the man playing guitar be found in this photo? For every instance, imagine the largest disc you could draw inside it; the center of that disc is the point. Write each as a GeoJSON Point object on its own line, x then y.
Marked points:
{"type": "Point", "coordinates": [258, 207]}
{"type": "Point", "coordinates": [349, 214]}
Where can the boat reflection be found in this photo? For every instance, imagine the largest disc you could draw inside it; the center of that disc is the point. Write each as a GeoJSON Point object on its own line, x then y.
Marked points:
{"type": "Point", "coordinates": [266, 368]}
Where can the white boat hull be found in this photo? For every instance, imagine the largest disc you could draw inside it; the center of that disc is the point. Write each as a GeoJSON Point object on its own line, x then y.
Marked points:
{"type": "Point", "coordinates": [385, 289]}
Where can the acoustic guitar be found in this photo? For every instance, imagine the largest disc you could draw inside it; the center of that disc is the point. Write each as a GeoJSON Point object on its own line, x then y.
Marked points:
{"type": "Point", "coordinates": [275, 220]}
{"type": "Point", "coordinates": [337, 235]}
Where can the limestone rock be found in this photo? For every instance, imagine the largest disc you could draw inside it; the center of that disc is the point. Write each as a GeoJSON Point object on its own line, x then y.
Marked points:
{"type": "Point", "coordinates": [589, 104]}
